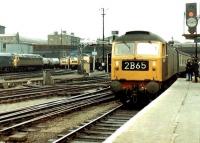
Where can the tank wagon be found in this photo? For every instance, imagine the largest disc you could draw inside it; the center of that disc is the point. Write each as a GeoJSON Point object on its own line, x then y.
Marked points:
{"type": "Point", "coordinates": [142, 64]}
{"type": "Point", "coordinates": [54, 62]}
{"type": "Point", "coordinates": [46, 62]}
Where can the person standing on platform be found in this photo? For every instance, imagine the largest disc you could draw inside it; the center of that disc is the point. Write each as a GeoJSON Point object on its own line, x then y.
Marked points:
{"type": "Point", "coordinates": [199, 69]}
{"type": "Point", "coordinates": [189, 70]}
{"type": "Point", "coordinates": [196, 70]}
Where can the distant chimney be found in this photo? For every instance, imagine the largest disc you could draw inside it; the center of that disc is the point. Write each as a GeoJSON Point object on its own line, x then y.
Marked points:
{"type": "Point", "coordinates": [56, 33]}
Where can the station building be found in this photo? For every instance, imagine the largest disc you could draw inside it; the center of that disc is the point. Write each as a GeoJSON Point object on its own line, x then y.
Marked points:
{"type": "Point", "coordinates": [15, 43]}
{"type": "Point", "coordinates": [63, 39]}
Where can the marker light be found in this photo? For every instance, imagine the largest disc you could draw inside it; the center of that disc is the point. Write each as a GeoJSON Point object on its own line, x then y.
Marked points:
{"type": "Point", "coordinates": [116, 65]}
{"type": "Point", "coordinates": [153, 65]}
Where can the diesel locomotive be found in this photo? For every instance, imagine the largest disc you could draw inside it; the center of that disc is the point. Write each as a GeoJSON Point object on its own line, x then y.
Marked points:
{"type": "Point", "coordinates": [142, 64]}
{"type": "Point", "coordinates": [19, 62]}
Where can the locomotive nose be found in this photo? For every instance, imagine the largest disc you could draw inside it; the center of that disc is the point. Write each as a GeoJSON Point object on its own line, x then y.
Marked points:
{"type": "Point", "coordinates": [152, 87]}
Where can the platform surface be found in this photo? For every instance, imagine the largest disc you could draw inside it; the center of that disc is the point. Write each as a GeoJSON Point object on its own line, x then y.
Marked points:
{"type": "Point", "coordinates": [174, 117]}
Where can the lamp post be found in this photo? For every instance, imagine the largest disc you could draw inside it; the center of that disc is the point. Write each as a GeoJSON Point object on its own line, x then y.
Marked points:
{"type": "Point", "coordinates": [103, 14]}
{"type": "Point", "coordinates": [196, 57]}
{"type": "Point", "coordinates": [103, 48]}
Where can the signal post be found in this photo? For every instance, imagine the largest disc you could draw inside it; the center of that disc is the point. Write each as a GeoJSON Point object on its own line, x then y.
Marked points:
{"type": "Point", "coordinates": [192, 22]}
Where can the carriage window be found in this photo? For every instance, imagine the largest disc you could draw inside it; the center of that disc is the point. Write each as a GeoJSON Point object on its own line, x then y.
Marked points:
{"type": "Point", "coordinates": [148, 48]}
{"type": "Point", "coordinates": [124, 49]}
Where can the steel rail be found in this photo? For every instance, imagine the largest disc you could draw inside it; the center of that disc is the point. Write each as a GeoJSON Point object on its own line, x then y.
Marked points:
{"type": "Point", "coordinates": [74, 132]}
{"type": "Point", "coordinates": [59, 111]}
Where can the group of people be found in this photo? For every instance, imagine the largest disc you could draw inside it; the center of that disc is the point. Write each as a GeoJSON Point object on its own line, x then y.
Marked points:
{"type": "Point", "coordinates": [192, 67]}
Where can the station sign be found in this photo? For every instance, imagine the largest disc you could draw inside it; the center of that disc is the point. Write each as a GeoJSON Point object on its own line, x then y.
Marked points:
{"type": "Point", "coordinates": [94, 53]}
{"type": "Point", "coordinates": [115, 33]}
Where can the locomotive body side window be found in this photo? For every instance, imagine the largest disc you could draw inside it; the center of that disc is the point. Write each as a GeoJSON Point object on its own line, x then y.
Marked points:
{"type": "Point", "coordinates": [166, 50]}
{"type": "Point", "coordinates": [163, 50]}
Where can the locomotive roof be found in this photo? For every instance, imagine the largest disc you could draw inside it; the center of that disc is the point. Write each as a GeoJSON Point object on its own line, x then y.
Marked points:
{"type": "Point", "coordinates": [138, 36]}
{"type": "Point", "coordinates": [28, 55]}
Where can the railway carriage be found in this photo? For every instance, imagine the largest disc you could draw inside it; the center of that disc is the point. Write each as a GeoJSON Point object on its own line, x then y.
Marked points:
{"type": "Point", "coordinates": [142, 64]}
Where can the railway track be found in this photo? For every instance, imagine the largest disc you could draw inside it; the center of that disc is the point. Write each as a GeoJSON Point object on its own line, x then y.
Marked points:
{"type": "Point", "coordinates": [86, 80]}
{"type": "Point", "coordinates": [18, 119]}
{"type": "Point", "coordinates": [98, 129]}
{"type": "Point", "coordinates": [33, 74]}
{"type": "Point", "coordinates": [29, 94]}
{"type": "Point", "coordinates": [60, 76]}
{"type": "Point", "coordinates": [70, 88]}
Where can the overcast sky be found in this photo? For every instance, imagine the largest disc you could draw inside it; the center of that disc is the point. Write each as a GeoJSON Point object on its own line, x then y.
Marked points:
{"type": "Point", "coordinates": [38, 18]}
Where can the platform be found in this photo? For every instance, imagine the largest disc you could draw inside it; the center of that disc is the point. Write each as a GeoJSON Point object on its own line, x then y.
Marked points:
{"type": "Point", "coordinates": [174, 117]}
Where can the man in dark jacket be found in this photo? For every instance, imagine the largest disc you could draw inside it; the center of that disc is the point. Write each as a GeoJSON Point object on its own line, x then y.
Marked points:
{"type": "Point", "coordinates": [196, 70]}
{"type": "Point", "coordinates": [189, 69]}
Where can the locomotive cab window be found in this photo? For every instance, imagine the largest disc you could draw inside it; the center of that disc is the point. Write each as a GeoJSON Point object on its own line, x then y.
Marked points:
{"type": "Point", "coordinates": [137, 48]}
{"type": "Point", "coordinates": [148, 49]}
{"type": "Point", "coordinates": [124, 49]}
